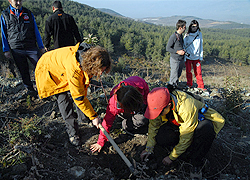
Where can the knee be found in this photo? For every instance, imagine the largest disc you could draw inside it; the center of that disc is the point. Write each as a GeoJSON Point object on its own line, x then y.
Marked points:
{"type": "Point", "coordinates": [167, 139]}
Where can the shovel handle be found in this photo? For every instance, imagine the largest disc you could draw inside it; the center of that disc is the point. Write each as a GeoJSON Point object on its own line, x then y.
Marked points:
{"type": "Point", "coordinates": [125, 159]}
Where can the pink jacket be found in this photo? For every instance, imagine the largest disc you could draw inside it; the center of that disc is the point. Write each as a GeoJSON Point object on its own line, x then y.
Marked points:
{"type": "Point", "coordinates": [112, 109]}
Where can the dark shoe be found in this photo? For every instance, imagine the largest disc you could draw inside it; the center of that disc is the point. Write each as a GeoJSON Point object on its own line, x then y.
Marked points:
{"type": "Point", "coordinates": [196, 173]}
{"type": "Point", "coordinates": [32, 93]}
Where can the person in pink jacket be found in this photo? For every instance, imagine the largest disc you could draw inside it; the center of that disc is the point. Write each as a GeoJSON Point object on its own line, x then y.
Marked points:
{"type": "Point", "coordinates": [129, 99]}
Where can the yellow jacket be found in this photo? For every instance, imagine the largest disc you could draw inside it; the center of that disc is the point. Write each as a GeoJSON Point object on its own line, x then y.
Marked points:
{"type": "Point", "coordinates": [186, 114]}
{"type": "Point", "coordinates": [59, 71]}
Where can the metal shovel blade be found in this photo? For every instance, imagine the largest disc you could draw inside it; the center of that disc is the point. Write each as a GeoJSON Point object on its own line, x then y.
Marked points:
{"type": "Point", "coordinates": [125, 159]}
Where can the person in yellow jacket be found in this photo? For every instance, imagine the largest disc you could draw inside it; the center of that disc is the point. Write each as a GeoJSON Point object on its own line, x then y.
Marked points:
{"type": "Point", "coordinates": [67, 71]}
{"type": "Point", "coordinates": [181, 121]}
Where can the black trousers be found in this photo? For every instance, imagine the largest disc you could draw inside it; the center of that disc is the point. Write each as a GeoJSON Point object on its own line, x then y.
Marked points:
{"type": "Point", "coordinates": [168, 136]}
{"type": "Point", "coordinates": [20, 57]}
{"type": "Point", "coordinates": [66, 107]}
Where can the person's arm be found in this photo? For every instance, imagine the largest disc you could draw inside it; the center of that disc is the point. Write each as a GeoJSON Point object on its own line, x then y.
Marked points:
{"type": "Point", "coordinates": [108, 120]}
{"type": "Point", "coordinates": [216, 118]}
{"type": "Point", "coordinates": [78, 82]}
{"type": "Point", "coordinates": [75, 30]}
{"type": "Point", "coordinates": [170, 45]}
{"type": "Point", "coordinates": [201, 47]}
{"type": "Point", "coordinates": [37, 33]}
{"type": "Point", "coordinates": [47, 34]}
{"type": "Point", "coordinates": [5, 44]}
{"type": "Point", "coordinates": [154, 125]}
{"type": "Point", "coordinates": [189, 114]}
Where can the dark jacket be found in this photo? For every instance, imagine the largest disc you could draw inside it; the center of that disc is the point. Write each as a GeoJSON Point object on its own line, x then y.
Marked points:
{"type": "Point", "coordinates": [63, 28]}
{"type": "Point", "coordinates": [175, 43]}
{"type": "Point", "coordinates": [20, 30]}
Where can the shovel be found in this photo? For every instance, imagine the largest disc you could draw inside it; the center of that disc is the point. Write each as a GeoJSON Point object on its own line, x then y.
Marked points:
{"type": "Point", "coordinates": [125, 159]}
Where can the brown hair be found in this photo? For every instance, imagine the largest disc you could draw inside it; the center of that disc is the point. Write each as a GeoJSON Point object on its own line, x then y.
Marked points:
{"type": "Point", "coordinates": [94, 59]}
{"type": "Point", "coordinates": [180, 23]}
{"type": "Point", "coordinates": [130, 98]}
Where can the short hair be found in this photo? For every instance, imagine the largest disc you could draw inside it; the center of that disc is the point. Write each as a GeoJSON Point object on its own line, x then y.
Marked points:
{"type": "Point", "coordinates": [130, 98]}
{"type": "Point", "coordinates": [180, 23]}
{"type": "Point", "coordinates": [94, 59]}
{"type": "Point", "coordinates": [57, 4]}
{"type": "Point", "coordinates": [192, 23]}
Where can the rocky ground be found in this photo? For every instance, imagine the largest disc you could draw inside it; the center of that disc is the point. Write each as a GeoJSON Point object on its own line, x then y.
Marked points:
{"type": "Point", "coordinates": [44, 151]}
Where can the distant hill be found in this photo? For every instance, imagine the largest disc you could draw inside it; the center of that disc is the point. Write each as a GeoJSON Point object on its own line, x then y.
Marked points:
{"type": "Point", "coordinates": [171, 21]}
{"type": "Point", "coordinates": [204, 23]}
{"type": "Point", "coordinates": [110, 12]}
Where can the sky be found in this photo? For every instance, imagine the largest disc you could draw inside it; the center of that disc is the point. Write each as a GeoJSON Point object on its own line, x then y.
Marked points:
{"type": "Point", "coordinates": [221, 10]}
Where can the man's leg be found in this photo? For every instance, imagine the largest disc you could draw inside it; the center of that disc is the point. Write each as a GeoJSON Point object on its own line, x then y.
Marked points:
{"type": "Point", "coordinates": [23, 67]}
{"type": "Point", "coordinates": [168, 135]}
{"type": "Point", "coordinates": [202, 141]}
{"type": "Point", "coordinates": [33, 56]}
{"type": "Point", "coordinates": [181, 65]}
{"type": "Point", "coordinates": [174, 70]}
{"type": "Point", "coordinates": [66, 108]}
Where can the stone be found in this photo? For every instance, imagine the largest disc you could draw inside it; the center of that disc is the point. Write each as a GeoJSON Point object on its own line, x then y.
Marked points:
{"type": "Point", "coordinates": [77, 171]}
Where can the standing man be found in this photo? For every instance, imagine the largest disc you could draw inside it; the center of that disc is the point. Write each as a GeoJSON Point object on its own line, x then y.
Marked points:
{"type": "Point", "coordinates": [62, 27]}
{"type": "Point", "coordinates": [20, 37]}
{"type": "Point", "coordinates": [175, 47]}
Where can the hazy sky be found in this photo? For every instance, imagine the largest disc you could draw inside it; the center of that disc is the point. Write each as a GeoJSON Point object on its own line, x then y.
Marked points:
{"type": "Point", "coordinates": [224, 10]}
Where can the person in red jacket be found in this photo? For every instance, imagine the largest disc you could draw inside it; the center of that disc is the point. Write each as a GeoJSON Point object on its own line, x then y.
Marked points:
{"type": "Point", "coordinates": [128, 99]}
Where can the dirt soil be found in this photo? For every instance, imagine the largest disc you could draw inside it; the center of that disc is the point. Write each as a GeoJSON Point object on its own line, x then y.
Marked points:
{"type": "Point", "coordinates": [54, 156]}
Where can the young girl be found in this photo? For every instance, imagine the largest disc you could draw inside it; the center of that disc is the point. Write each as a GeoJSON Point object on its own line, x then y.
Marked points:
{"type": "Point", "coordinates": [66, 72]}
{"type": "Point", "coordinates": [193, 43]}
{"type": "Point", "coordinates": [128, 99]}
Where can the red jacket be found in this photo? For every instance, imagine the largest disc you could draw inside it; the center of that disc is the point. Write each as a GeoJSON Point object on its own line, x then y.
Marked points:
{"type": "Point", "coordinates": [112, 109]}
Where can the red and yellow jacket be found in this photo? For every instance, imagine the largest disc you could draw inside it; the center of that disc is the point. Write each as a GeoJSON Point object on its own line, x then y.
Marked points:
{"type": "Point", "coordinates": [186, 114]}
{"type": "Point", "coordinates": [59, 71]}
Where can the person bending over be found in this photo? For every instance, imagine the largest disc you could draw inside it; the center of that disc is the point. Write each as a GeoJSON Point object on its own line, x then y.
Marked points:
{"type": "Point", "coordinates": [180, 121]}
{"type": "Point", "coordinates": [66, 72]}
{"type": "Point", "coordinates": [129, 99]}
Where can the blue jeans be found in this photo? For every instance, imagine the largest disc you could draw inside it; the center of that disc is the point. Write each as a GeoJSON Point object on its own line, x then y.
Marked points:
{"type": "Point", "coordinates": [20, 57]}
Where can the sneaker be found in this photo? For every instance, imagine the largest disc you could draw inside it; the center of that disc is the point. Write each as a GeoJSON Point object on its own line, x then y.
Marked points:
{"type": "Point", "coordinates": [32, 94]}
{"type": "Point", "coordinates": [74, 140]}
{"type": "Point", "coordinates": [196, 173]}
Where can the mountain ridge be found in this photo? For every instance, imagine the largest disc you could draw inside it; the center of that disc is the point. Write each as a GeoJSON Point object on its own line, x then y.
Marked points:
{"type": "Point", "coordinates": [171, 21]}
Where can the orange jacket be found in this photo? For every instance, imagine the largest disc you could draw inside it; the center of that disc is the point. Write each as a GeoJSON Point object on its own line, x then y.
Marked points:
{"type": "Point", "coordinates": [59, 71]}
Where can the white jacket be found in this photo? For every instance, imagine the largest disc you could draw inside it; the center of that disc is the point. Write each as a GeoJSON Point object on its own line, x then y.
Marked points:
{"type": "Point", "coordinates": [194, 47]}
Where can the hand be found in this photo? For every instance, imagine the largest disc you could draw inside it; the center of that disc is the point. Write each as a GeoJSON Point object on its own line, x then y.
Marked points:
{"type": "Point", "coordinates": [7, 54]}
{"type": "Point", "coordinates": [95, 147]}
{"type": "Point", "coordinates": [42, 50]}
{"type": "Point", "coordinates": [167, 161]}
{"type": "Point", "coordinates": [144, 155]}
{"type": "Point", "coordinates": [46, 49]}
{"type": "Point", "coordinates": [180, 52]}
{"type": "Point", "coordinates": [96, 122]}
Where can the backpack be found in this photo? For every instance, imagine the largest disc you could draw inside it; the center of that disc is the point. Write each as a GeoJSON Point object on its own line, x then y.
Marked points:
{"type": "Point", "coordinates": [171, 88]}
